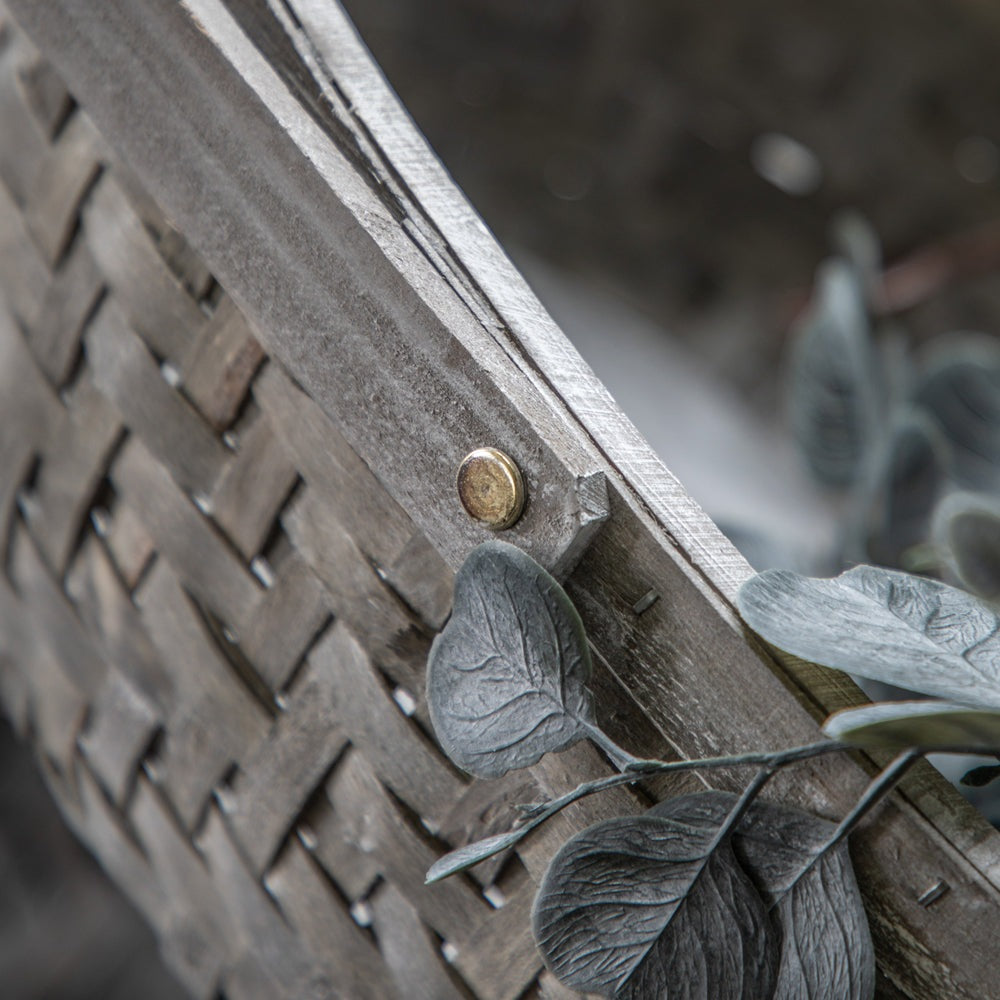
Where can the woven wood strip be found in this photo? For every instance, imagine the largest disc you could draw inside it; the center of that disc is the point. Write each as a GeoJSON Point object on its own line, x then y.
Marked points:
{"type": "Point", "coordinates": [214, 619]}
{"type": "Point", "coordinates": [69, 168]}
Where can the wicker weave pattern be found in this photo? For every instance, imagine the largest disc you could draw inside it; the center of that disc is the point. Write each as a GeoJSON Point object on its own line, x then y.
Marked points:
{"type": "Point", "coordinates": [214, 620]}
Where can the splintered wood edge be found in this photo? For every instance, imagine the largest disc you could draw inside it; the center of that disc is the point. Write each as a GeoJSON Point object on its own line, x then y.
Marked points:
{"type": "Point", "coordinates": [483, 274]}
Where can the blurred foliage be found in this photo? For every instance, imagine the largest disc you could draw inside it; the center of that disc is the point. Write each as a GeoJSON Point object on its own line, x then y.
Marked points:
{"type": "Point", "coordinates": [643, 142]}
{"type": "Point", "coordinates": [911, 437]}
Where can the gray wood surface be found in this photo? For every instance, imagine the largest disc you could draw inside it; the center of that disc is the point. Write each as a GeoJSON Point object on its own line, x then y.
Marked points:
{"type": "Point", "coordinates": [415, 381]}
{"type": "Point", "coordinates": [305, 188]}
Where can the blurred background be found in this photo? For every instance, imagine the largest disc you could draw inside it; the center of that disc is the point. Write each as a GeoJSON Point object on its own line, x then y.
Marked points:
{"type": "Point", "coordinates": [667, 174]}
{"type": "Point", "coordinates": [671, 175]}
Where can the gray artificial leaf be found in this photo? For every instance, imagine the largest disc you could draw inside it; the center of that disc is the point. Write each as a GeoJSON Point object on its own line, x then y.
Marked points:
{"type": "Point", "coordinates": [507, 678]}
{"type": "Point", "coordinates": [961, 390]}
{"type": "Point", "coordinates": [895, 361]}
{"type": "Point", "coordinates": [826, 947]}
{"type": "Point", "coordinates": [834, 396]}
{"type": "Point", "coordinates": [900, 501]}
{"type": "Point", "coordinates": [967, 527]}
{"type": "Point", "coordinates": [980, 777]}
{"type": "Point", "coordinates": [465, 857]}
{"type": "Point", "coordinates": [642, 907]}
{"type": "Point", "coordinates": [929, 725]}
{"type": "Point", "coordinates": [854, 238]}
{"type": "Point", "coordinates": [882, 624]}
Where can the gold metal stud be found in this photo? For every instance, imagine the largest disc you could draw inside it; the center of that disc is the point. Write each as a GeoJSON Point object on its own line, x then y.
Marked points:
{"type": "Point", "coordinates": [491, 488]}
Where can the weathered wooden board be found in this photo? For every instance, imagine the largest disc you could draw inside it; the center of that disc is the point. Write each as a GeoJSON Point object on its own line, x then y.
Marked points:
{"type": "Point", "coordinates": [362, 318]}
{"type": "Point", "coordinates": [278, 150]}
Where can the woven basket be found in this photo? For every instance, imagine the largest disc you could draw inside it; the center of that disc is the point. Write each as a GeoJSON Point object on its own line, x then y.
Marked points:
{"type": "Point", "coordinates": [224, 562]}
{"type": "Point", "coordinates": [215, 618]}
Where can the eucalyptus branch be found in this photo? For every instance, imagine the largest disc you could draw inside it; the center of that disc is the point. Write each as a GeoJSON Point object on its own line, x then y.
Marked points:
{"type": "Point", "coordinates": [622, 759]}
{"type": "Point", "coordinates": [874, 793]}
{"type": "Point", "coordinates": [743, 803]}
{"type": "Point", "coordinates": [880, 786]}
{"type": "Point", "coordinates": [465, 857]}
{"type": "Point", "coordinates": [508, 682]}
{"type": "Point", "coordinates": [763, 758]}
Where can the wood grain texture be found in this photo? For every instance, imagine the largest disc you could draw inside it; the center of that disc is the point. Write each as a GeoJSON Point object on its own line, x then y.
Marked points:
{"type": "Point", "coordinates": [22, 263]}
{"type": "Point", "coordinates": [20, 161]}
{"type": "Point", "coordinates": [218, 365]}
{"type": "Point", "coordinates": [480, 271]}
{"type": "Point", "coordinates": [190, 918]}
{"type": "Point", "coordinates": [127, 374]}
{"type": "Point", "coordinates": [65, 308]}
{"type": "Point", "coordinates": [284, 622]}
{"type": "Point", "coordinates": [213, 572]}
{"type": "Point", "coordinates": [252, 489]}
{"type": "Point", "coordinates": [124, 248]}
{"type": "Point", "coordinates": [212, 720]}
{"type": "Point", "coordinates": [411, 954]}
{"type": "Point", "coordinates": [75, 461]}
{"type": "Point", "coordinates": [226, 682]}
{"type": "Point", "coordinates": [300, 888]}
{"type": "Point", "coordinates": [413, 380]}
{"type": "Point", "coordinates": [45, 95]}
{"type": "Point", "coordinates": [298, 751]}
{"type": "Point", "coordinates": [65, 175]}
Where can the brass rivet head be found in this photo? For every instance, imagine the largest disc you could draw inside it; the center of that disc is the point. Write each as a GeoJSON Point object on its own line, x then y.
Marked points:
{"type": "Point", "coordinates": [491, 488]}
